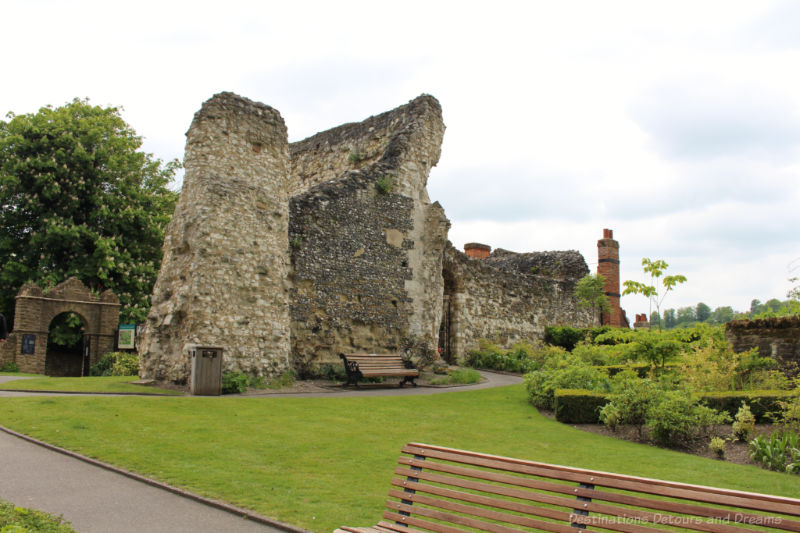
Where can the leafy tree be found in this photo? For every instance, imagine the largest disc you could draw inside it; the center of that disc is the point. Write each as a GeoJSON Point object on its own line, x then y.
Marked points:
{"type": "Point", "coordinates": [653, 292]}
{"type": "Point", "coordinates": [655, 319]}
{"type": "Point", "coordinates": [685, 315]}
{"type": "Point", "coordinates": [702, 312]}
{"type": "Point", "coordinates": [80, 199]}
{"type": "Point", "coordinates": [721, 315]}
{"type": "Point", "coordinates": [590, 294]}
{"type": "Point", "coordinates": [669, 319]}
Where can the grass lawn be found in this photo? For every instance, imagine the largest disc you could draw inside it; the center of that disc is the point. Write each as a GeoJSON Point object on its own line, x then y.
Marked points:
{"type": "Point", "coordinates": [321, 463]}
{"type": "Point", "coordinates": [87, 384]}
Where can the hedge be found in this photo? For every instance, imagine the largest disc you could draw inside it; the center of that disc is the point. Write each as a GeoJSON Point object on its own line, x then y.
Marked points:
{"type": "Point", "coordinates": [761, 402]}
{"type": "Point", "coordinates": [577, 406]}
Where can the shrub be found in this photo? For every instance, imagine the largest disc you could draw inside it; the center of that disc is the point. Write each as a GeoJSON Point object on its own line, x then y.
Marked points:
{"type": "Point", "coordinates": [234, 382]}
{"type": "Point", "coordinates": [286, 379]}
{"type": "Point", "coordinates": [21, 520]}
{"type": "Point", "coordinates": [564, 336]}
{"type": "Point", "coordinates": [744, 423]}
{"type": "Point", "coordinates": [9, 367]}
{"type": "Point", "coordinates": [125, 364]}
{"type": "Point", "coordinates": [521, 358]}
{"type": "Point", "coordinates": [763, 404]}
{"type": "Point", "coordinates": [780, 451]}
{"type": "Point", "coordinates": [717, 445]}
{"type": "Point", "coordinates": [116, 364]}
{"type": "Point", "coordinates": [610, 416]}
{"type": "Point", "coordinates": [384, 184]}
{"type": "Point", "coordinates": [631, 397]}
{"type": "Point", "coordinates": [578, 406]}
{"type": "Point", "coordinates": [566, 372]}
{"type": "Point", "coordinates": [674, 418]}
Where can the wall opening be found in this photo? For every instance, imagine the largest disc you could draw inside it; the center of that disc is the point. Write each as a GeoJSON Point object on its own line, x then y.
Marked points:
{"type": "Point", "coordinates": [447, 329]}
{"type": "Point", "coordinates": [66, 344]}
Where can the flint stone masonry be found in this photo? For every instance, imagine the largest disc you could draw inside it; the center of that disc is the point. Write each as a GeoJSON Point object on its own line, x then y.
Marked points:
{"type": "Point", "coordinates": [290, 254]}
{"type": "Point", "coordinates": [777, 337]}
{"type": "Point", "coordinates": [366, 262]}
{"type": "Point", "coordinates": [501, 299]}
{"type": "Point", "coordinates": [223, 278]}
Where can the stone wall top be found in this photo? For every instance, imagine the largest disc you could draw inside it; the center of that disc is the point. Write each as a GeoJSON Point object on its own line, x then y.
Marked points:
{"type": "Point", "coordinates": [381, 140]}
{"type": "Point", "coordinates": [561, 265]}
{"type": "Point", "coordinates": [778, 322]}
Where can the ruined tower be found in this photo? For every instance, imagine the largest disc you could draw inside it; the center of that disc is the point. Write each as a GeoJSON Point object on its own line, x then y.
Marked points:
{"type": "Point", "coordinates": [223, 277]}
{"type": "Point", "coordinates": [608, 267]}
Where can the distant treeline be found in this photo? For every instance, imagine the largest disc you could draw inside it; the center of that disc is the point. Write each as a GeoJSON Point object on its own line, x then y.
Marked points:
{"type": "Point", "coordinates": [689, 316]}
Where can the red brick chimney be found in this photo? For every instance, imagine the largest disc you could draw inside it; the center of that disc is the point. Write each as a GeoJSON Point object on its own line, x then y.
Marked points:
{"type": "Point", "coordinates": [477, 250]}
{"type": "Point", "coordinates": [608, 267]}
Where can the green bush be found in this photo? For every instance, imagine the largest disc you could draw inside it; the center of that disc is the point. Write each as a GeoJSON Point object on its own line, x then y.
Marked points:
{"type": "Point", "coordinates": [574, 406]}
{"type": "Point", "coordinates": [780, 451]}
{"type": "Point", "coordinates": [234, 382]}
{"type": "Point", "coordinates": [116, 364]}
{"type": "Point", "coordinates": [631, 397]}
{"type": "Point", "coordinates": [20, 520]}
{"type": "Point", "coordinates": [744, 423]}
{"type": "Point", "coordinates": [565, 372]}
{"type": "Point", "coordinates": [674, 419]}
{"type": "Point", "coordinates": [764, 405]}
{"type": "Point", "coordinates": [9, 367]}
{"type": "Point", "coordinates": [520, 358]}
{"type": "Point", "coordinates": [568, 337]}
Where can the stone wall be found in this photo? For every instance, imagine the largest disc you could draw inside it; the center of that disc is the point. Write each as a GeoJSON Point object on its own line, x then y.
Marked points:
{"type": "Point", "coordinates": [509, 297]}
{"type": "Point", "coordinates": [224, 276]}
{"type": "Point", "coordinates": [774, 337]}
{"type": "Point", "coordinates": [366, 242]}
{"type": "Point", "coordinates": [34, 311]}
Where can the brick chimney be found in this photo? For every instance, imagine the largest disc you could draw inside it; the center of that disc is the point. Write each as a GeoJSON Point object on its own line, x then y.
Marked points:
{"type": "Point", "coordinates": [608, 267]}
{"type": "Point", "coordinates": [477, 250]}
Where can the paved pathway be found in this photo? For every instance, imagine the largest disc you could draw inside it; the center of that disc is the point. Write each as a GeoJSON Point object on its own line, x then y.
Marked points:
{"type": "Point", "coordinates": [98, 500]}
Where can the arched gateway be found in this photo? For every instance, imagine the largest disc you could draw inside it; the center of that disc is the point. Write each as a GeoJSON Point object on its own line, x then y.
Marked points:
{"type": "Point", "coordinates": [35, 310]}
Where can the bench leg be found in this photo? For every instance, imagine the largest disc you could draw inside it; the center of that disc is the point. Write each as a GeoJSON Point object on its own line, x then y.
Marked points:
{"type": "Point", "coordinates": [408, 379]}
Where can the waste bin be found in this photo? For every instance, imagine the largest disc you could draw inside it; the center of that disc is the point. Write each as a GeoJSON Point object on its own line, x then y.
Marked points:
{"type": "Point", "coordinates": [206, 369]}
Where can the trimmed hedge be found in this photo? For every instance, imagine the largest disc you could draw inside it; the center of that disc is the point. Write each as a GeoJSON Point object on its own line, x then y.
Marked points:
{"type": "Point", "coordinates": [761, 402]}
{"type": "Point", "coordinates": [576, 406]}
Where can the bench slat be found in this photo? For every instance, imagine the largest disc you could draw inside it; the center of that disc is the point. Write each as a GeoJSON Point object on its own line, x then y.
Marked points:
{"type": "Point", "coordinates": [613, 497]}
{"type": "Point", "coordinates": [642, 485]}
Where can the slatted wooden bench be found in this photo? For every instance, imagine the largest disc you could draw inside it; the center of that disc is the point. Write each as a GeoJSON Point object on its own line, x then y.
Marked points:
{"type": "Point", "coordinates": [444, 490]}
{"type": "Point", "coordinates": [373, 365]}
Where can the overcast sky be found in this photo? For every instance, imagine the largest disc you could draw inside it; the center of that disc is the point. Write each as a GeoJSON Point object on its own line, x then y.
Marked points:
{"type": "Point", "coordinates": [676, 124]}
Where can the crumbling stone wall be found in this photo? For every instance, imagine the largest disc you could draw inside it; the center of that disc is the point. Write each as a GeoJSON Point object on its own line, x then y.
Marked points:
{"type": "Point", "coordinates": [366, 242]}
{"type": "Point", "coordinates": [223, 278]}
{"type": "Point", "coordinates": [777, 337]}
{"type": "Point", "coordinates": [510, 297]}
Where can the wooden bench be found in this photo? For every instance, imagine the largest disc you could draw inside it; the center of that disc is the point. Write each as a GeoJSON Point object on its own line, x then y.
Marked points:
{"type": "Point", "coordinates": [373, 365]}
{"type": "Point", "coordinates": [445, 490]}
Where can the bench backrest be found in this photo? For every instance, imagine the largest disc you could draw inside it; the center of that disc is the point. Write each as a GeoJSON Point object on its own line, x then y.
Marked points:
{"type": "Point", "coordinates": [376, 361]}
{"type": "Point", "coordinates": [448, 491]}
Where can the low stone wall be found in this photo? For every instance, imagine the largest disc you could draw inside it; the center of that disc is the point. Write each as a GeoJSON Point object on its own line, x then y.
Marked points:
{"type": "Point", "coordinates": [503, 301]}
{"type": "Point", "coordinates": [777, 337]}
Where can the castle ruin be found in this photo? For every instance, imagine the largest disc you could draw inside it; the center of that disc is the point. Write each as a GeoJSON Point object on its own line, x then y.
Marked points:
{"type": "Point", "coordinates": [288, 254]}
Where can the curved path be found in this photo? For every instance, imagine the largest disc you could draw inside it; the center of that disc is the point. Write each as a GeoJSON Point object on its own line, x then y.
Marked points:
{"type": "Point", "coordinates": [100, 498]}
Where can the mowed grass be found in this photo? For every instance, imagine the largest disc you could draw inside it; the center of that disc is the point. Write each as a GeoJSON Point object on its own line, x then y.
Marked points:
{"type": "Point", "coordinates": [324, 462]}
{"type": "Point", "coordinates": [109, 384]}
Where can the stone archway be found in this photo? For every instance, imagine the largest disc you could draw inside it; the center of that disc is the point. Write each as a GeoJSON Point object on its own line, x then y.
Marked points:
{"type": "Point", "coordinates": [36, 309]}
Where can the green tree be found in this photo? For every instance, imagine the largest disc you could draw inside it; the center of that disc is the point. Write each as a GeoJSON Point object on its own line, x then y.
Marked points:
{"type": "Point", "coordinates": [654, 292]}
{"type": "Point", "coordinates": [590, 294]}
{"type": "Point", "coordinates": [721, 315]}
{"type": "Point", "coordinates": [686, 315]}
{"type": "Point", "coordinates": [669, 319]}
{"type": "Point", "coordinates": [655, 319]}
{"type": "Point", "coordinates": [702, 312]}
{"type": "Point", "coordinates": [80, 199]}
